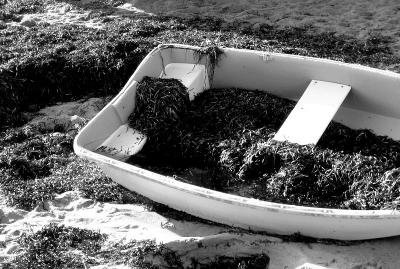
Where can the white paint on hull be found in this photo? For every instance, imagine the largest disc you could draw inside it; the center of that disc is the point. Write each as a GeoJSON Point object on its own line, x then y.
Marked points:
{"type": "Point", "coordinates": [372, 103]}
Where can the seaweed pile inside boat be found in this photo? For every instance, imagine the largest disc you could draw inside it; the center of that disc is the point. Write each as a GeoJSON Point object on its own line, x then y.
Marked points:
{"type": "Point", "coordinates": [223, 141]}
{"type": "Point", "coordinates": [160, 104]}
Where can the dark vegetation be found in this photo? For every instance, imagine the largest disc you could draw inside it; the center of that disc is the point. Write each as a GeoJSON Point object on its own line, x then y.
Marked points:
{"type": "Point", "coordinates": [10, 10]}
{"type": "Point", "coordinates": [137, 254]}
{"type": "Point", "coordinates": [174, 102]}
{"type": "Point", "coordinates": [224, 142]}
{"type": "Point", "coordinates": [36, 164]}
{"type": "Point", "coordinates": [50, 63]}
{"type": "Point", "coordinates": [58, 246]}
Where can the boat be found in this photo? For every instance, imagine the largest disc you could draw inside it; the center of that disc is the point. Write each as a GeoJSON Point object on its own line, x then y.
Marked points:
{"type": "Point", "coordinates": [369, 99]}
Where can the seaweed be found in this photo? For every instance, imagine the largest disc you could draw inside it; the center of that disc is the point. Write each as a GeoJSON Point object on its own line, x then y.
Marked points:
{"type": "Point", "coordinates": [160, 104]}
{"type": "Point", "coordinates": [11, 9]}
{"type": "Point", "coordinates": [64, 62]}
{"type": "Point", "coordinates": [35, 166]}
{"type": "Point", "coordinates": [47, 64]}
{"type": "Point", "coordinates": [255, 261]}
{"type": "Point", "coordinates": [213, 55]}
{"type": "Point", "coordinates": [145, 254]}
{"type": "Point", "coordinates": [225, 142]}
{"type": "Point", "coordinates": [57, 246]}
{"type": "Point", "coordinates": [149, 254]}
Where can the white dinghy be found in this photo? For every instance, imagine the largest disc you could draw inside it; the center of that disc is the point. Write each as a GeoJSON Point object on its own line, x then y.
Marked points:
{"type": "Point", "coordinates": [354, 95]}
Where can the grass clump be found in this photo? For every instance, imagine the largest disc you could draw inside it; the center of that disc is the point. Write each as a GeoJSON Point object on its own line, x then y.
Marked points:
{"type": "Point", "coordinates": [225, 142]}
{"type": "Point", "coordinates": [58, 246]}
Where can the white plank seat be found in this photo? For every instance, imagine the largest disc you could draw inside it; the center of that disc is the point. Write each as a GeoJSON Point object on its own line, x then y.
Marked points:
{"type": "Point", "coordinates": [125, 141]}
{"type": "Point", "coordinates": [313, 112]}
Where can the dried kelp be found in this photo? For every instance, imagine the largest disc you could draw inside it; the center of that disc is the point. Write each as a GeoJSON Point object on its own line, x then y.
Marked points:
{"type": "Point", "coordinates": [213, 55]}
{"type": "Point", "coordinates": [58, 246]}
{"type": "Point", "coordinates": [12, 9]}
{"type": "Point", "coordinates": [225, 142]}
{"type": "Point", "coordinates": [160, 105]}
{"type": "Point", "coordinates": [64, 62]}
{"type": "Point", "coordinates": [35, 166]}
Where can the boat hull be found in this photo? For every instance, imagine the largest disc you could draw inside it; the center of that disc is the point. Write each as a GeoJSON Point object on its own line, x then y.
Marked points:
{"type": "Point", "coordinates": [286, 76]}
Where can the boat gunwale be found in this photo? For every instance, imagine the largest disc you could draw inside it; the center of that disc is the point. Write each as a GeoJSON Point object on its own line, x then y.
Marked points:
{"type": "Point", "coordinates": [283, 55]}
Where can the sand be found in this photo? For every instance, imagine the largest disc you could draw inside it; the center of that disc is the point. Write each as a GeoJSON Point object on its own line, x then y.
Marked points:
{"type": "Point", "coordinates": [356, 18]}
{"type": "Point", "coordinates": [124, 222]}
{"type": "Point", "coordinates": [76, 13]}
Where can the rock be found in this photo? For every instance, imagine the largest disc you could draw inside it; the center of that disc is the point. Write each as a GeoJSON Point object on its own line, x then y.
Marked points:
{"type": "Point", "coordinates": [28, 22]}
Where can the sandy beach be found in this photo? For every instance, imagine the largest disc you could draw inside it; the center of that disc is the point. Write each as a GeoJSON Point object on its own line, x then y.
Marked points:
{"type": "Point", "coordinates": [126, 222]}
{"type": "Point", "coordinates": [354, 18]}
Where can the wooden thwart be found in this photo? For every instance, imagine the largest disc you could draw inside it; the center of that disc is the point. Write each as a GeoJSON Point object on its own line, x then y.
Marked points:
{"type": "Point", "coordinates": [313, 112]}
